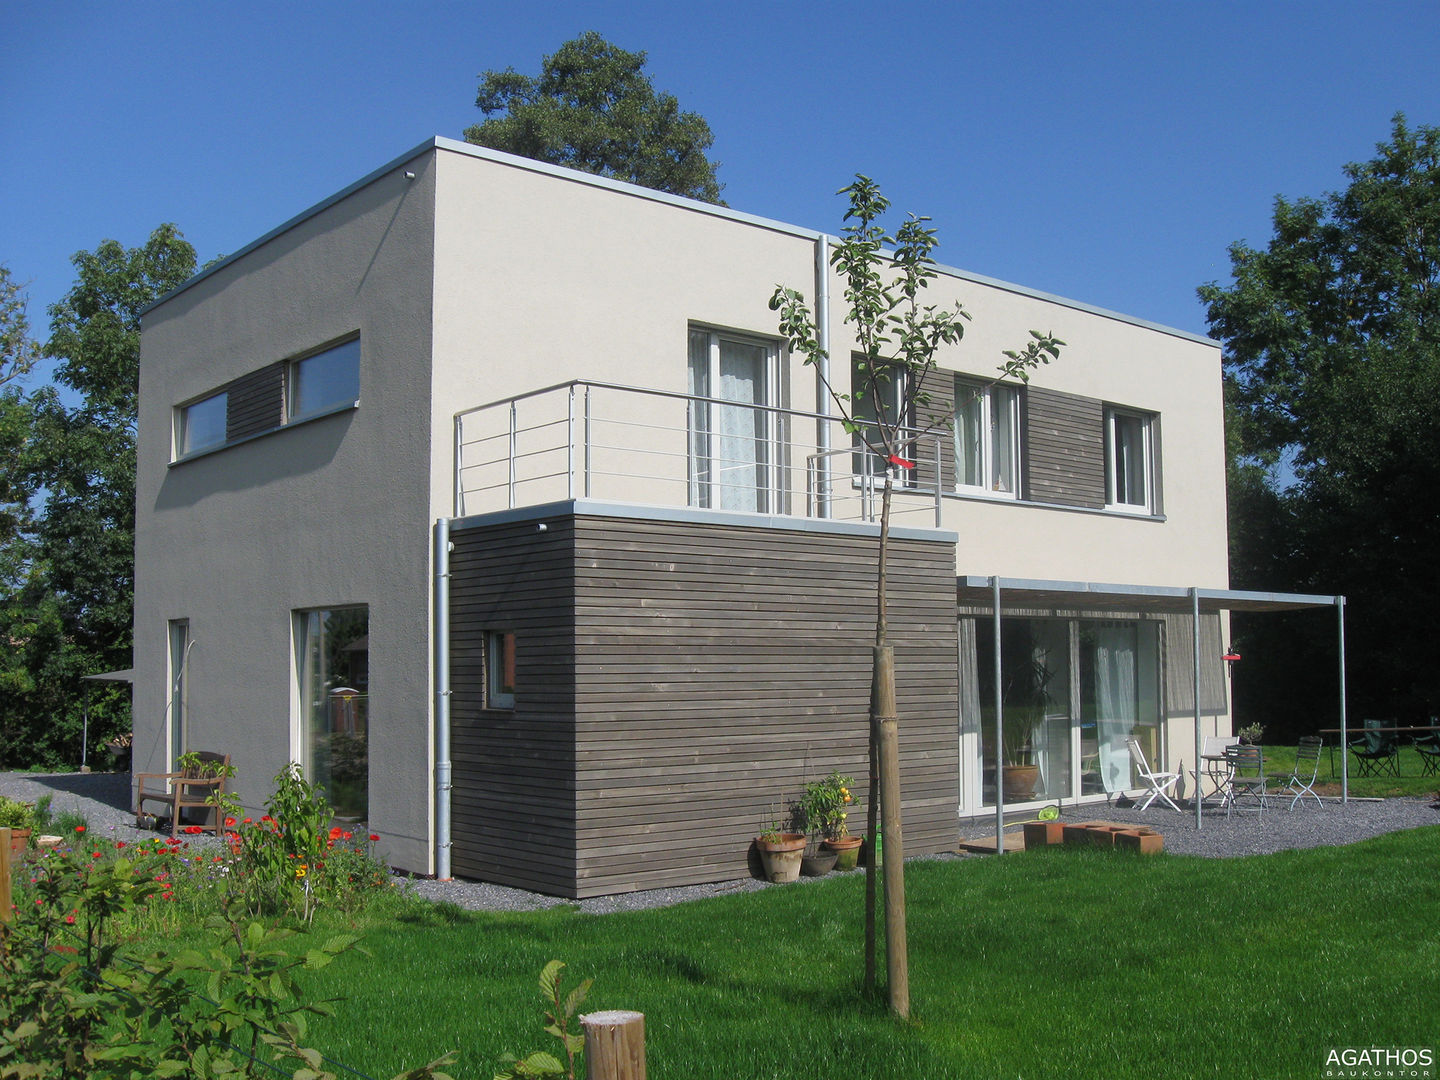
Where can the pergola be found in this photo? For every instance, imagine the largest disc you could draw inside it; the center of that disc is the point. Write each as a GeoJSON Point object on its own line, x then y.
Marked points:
{"type": "Point", "coordinates": [996, 592]}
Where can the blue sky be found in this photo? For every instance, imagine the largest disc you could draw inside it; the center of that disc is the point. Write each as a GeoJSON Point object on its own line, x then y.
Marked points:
{"type": "Point", "coordinates": [1108, 152]}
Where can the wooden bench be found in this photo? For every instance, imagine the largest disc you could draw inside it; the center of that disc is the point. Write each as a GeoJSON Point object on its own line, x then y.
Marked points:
{"type": "Point", "coordinates": [195, 787]}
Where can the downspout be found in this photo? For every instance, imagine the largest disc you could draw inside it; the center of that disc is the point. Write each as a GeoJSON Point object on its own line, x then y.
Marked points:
{"type": "Point", "coordinates": [1195, 686]}
{"type": "Point", "coordinates": [441, 635]}
{"type": "Point", "coordinates": [822, 391]}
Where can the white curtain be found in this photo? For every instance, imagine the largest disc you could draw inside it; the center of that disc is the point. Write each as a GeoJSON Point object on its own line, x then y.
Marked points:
{"type": "Point", "coordinates": [739, 444]}
{"type": "Point", "coordinates": [1116, 702]}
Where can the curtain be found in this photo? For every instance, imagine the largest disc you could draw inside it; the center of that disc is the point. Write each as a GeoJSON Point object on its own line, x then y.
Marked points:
{"type": "Point", "coordinates": [1115, 701]}
{"type": "Point", "coordinates": [740, 432]}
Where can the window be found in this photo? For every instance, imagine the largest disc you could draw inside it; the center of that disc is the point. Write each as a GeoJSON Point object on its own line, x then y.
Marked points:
{"type": "Point", "coordinates": [732, 443]}
{"type": "Point", "coordinates": [890, 392]}
{"type": "Point", "coordinates": [500, 670]}
{"type": "Point", "coordinates": [176, 701]}
{"type": "Point", "coordinates": [987, 439]}
{"type": "Point", "coordinates": [332, 667]}
{"type": "Point", "coordinates": [1129, 461]}
{"type": "Point", "coordinates": [327, 380]}
{"type": "Point", "coordinates": [201, 424]}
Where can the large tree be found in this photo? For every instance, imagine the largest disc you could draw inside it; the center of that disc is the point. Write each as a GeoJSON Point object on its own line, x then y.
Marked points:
{"type": "Point", "coordinates": [1332, 341]}
{"type": "Point", "coordinates": [593, 108]}
{"type": "Point", "coordinates": [69, 594]}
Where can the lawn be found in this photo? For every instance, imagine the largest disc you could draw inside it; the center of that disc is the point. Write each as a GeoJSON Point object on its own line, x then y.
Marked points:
{"type": "Point", "coordinates": [1055, 963]}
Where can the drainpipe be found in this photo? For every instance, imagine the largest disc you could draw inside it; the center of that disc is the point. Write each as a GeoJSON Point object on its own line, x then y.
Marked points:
{"type": "Point", "coordinates": [822, 392]}
{"type": "Point", "coordinates": [441, 635]}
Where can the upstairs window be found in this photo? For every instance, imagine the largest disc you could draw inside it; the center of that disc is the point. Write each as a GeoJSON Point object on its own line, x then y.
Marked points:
{"type": "Point", "coordinates": [733, 436]}
{"type": "Point", "coordinates": [324, 381]}
{"type": "Point", "coordinates": [1129, 461]}
{"type": "Point", "coordinates": [884, 403]}
{"type": "Point", "coordinates": [201, 424]}
{"type": "Point", "coordinates": [987, 439]}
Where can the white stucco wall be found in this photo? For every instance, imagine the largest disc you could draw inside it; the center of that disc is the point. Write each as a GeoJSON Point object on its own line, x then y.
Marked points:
{"type": "Point", "coordinates": [328, 513]}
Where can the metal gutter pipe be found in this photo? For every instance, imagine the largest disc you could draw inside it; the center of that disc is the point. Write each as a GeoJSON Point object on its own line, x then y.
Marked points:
{"type": "Point", "coordinates": [1199, 742]}
{"type": "Point", "coordinates": [442, 698]}
{"type": "Point", "coordinates": [822, 391]}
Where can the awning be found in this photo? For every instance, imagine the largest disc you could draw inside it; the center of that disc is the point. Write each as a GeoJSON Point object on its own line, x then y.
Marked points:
{"type": "Point", "coordinates": [124, 675]}
{"type": "Point", "coordinates": [997, 594]}
{"type": "Point", "coordinates": [1090, 596]}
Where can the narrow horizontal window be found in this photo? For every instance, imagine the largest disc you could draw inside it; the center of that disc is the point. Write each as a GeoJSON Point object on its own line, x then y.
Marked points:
{"type": "Point", "coordinates": [326, 380]}
{"type": "Point", "coordinates": [201, 424]}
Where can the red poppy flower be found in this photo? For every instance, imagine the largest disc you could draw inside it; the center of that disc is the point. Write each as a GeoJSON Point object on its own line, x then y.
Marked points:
{"type": "Point", "coordinates": [95, 854]}
{"type": "Point", "coordinates": [79, 828]}
{"type": "Point", "coordinates": [119, 844]}
{"type": "Point", "coordinates": [70, 919]}
{"type": "Point", "coordinates": [373, 837]}
{"type": "Point", "coordinates": [229, 822]}
{"type": "Point", "coordinates": [335, 832]}
{"type": "Point", "coordinates": [248, 821]}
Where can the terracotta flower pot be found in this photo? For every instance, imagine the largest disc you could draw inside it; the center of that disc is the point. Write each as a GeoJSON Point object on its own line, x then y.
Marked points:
{"type": "Point", "coordinates": [819, 864]}
{"type": "Point", "coordinates": [19, 841]}
{"type": "Point", "coordinates": [847, 850]}
{"type": "Point", "coordinates": [781, 857]}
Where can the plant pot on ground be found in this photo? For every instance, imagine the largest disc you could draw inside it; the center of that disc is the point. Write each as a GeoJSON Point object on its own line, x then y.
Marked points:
{"type": "Point", "coordinates": [780, 854]}
{"type": "Point", "coordinates": [19, 818]}
{"type": "Point", "coordinates": [818, 863]}
{"type": "Point", "coordinates": [847, 850]}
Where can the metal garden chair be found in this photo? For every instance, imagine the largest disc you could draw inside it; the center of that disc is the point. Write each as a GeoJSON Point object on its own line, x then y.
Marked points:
{"type": "Point", "coordinates": [1247, 776]}
{"type": "Point", "coordinates": [1428, 746]}
{"type": "Point", "coordinates": [1156, 783]}
{"type": "Point", "coordinates": [1301, 780]}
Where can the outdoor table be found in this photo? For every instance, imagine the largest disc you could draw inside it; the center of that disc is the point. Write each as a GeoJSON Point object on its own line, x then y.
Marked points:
{"type": "Point", "coordinates": [1216, 770]}
{"type": "Point", "coordinates": [1429, 729]}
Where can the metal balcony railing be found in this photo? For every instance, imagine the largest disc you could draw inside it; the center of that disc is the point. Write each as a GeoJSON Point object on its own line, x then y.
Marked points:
{"type": "Point", "coordinates": [596, 440]}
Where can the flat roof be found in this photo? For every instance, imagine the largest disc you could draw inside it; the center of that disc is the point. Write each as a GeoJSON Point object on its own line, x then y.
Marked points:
{"type": "Point", "coordinates": [499, 157]}
{"type": "Point", "coordinates": [1091, 596]}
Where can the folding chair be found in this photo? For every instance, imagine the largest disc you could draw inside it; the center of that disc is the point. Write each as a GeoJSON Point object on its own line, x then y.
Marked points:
{"type": "Point", "coordinates": [1247, 776]}
{"type": "Point", "coordinates": [1155, 783]}
{"type": "Point", "coordinates": [1378, 753]}
{"type": "Point", "coordinates": [1302, 777]}
{"type": "Point", "coordinates": [1428, 747]}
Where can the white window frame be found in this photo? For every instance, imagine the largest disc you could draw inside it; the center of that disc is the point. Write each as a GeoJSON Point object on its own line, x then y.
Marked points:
{"type": "Point", "coordinates": [177, 691]}
{"type": "Point", "coordinates": [182, 424]}
{"type": "Point", "coordinates": [989, 397]}
{"type": "Point", "coordinates": [705, 489]}
{"type": "Point", "coordinates": [896, 391]}
{"type": "Point", "coordinates": [1113, 462]}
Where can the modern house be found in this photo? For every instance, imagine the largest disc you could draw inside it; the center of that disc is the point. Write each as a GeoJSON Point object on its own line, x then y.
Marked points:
{"type": "Point", "coordinates": [487, 490]}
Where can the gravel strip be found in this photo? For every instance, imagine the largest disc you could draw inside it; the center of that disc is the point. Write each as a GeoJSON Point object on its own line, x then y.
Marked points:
{"type": "Point", "coordinates": [104, 800]}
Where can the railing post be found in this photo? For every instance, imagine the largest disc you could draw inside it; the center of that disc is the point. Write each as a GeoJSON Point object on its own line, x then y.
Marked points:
{"type": "Point", "coordinates": [459, 509]}
{"type": "Point", "coordinates": [939, 462]}
{"type": "Point", "coordinates": [614, 1045]}
{"type": "Point", "coordinates": [587, 440]}
{"type": "Point", "coordinates": [570, 447]}
{"type": "Point", "coordinates": [512, 456]}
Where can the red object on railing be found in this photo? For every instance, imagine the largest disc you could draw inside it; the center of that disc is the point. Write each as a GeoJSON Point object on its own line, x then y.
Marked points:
{"type": "Point", "coordinates": [896, 459]}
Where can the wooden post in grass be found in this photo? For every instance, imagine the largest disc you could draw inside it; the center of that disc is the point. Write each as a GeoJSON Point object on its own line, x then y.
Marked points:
{"type": "Point", "coordinates": [614, 1045]}
{"type": "Point", "coordinates": [4, 875]}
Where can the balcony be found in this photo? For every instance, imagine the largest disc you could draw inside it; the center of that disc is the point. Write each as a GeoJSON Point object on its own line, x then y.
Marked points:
{"type": "Point", "coordinates": [603, 441]}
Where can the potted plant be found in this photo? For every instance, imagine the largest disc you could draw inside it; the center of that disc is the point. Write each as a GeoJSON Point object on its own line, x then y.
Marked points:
{"type": "Point", "coordinates": [825, 807]}
{"type": "Point", "coordinates": [1027, 697]}
{"type": "Point", "coordinates": [780, 853]}
{"type": "Point", "coordinates": [19, 818]}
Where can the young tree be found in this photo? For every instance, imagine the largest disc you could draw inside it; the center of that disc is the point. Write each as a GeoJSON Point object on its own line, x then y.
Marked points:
{"type": "Point", "coordinates": [1332, 346]}
{"type": "Point", "coordinates": [897, 337]}
{"type": "Point", "coordinates": [70, 596]}
{"type": "Point", "coordinates": [593, 108]}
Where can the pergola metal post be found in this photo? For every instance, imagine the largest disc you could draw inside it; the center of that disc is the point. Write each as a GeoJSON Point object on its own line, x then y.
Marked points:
{"type": "Point", "coordinates": [1195, 636]}
{"type": "Point", "coordinates": [1344, 738]}
{"type": "Point", "coordinates": [999, 728]}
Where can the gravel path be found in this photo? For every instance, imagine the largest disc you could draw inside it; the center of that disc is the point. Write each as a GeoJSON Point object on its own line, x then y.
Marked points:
{"type": "Point", "coordinates": [104, 800]}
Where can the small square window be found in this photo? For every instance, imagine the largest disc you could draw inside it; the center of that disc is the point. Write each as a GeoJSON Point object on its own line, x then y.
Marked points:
{"type": "Point", "coordinates": [1129, 461]}
{"type": "Point", "coordinates": [500, 670]}
{"type": "Point", "coordinates": [326, 380]}
{"type": "Point", "coordinates": [201, 424]}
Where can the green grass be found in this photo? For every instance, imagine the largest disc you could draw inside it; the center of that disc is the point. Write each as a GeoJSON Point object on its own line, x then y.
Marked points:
{"type": "Point", "coordinates": [1056, 963]}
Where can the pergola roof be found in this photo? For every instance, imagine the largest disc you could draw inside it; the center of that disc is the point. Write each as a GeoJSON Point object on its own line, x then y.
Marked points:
{"type": "Point", "coordinates": [1091, 596]}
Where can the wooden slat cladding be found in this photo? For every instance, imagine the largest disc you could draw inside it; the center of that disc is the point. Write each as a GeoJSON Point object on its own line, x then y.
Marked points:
{"type": "Point", "coordinates": [513, 802]}
{"type": "Point", "coordinates": [936, 410]}
{"type": "Point", "coordinates": [255, 402]}
{"type": "Point", "coordinates": [1064, 456]}
{"type": "Point", "coordinates": [1180, 666]}
{"type": "Point", "coordinates": [720, 667]}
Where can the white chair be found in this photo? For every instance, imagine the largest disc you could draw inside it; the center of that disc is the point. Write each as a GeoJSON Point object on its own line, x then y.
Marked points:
{"type": "Point", "coordinates": [1155, 782]}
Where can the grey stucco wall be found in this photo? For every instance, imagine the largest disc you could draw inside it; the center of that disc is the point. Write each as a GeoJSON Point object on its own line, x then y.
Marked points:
{"type": "Point", "coordinates": [328, 513]}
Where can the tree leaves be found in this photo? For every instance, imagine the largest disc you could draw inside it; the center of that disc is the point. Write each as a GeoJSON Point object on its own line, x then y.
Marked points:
{"type": "Point", "coordinates": [593, 108]}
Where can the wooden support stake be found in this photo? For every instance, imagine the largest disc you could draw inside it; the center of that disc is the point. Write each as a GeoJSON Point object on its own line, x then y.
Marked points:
{"type": "Point", "coordinates": [614, 1045]}
{"type": "Point", "coordinates": [4, 875]}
